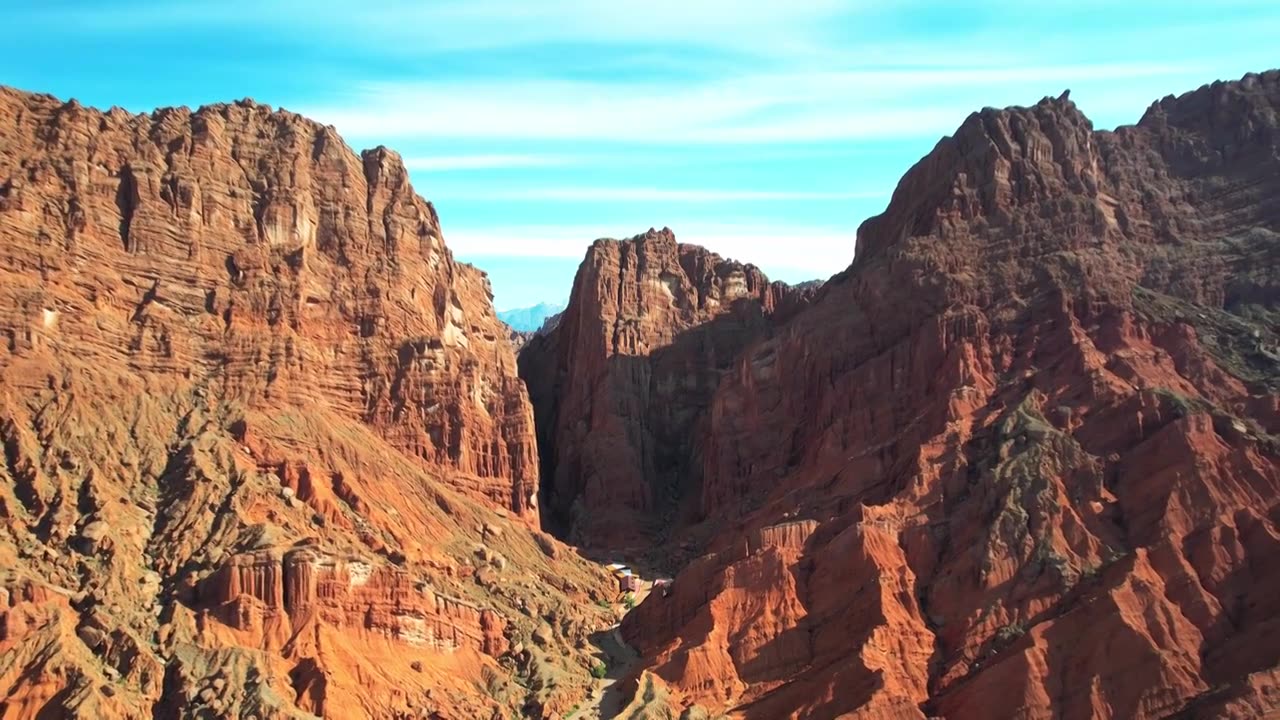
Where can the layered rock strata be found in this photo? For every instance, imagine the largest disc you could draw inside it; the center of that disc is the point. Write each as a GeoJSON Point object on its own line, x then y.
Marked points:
{"type": "Point", "coordinates": [266, 453]}
{"type": "Point", "coordinates": [1022, 458]}
{"type": "Point", "coordinates": [620, 383]}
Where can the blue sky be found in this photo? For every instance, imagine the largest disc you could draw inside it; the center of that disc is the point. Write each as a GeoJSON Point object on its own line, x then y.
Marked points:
{"type": "Point", "coordinates": [764, 130]}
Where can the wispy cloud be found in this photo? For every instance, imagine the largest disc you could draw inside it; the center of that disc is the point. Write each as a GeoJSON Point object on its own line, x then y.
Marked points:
{"type": "Point", "coordinates": [756, 108]}
{"type": "Point", "coordinates": [448, 163]}
{"type": "Point", "coordinates": [792, 250]}
{"type": "Point", "coordinates": [652, 194]}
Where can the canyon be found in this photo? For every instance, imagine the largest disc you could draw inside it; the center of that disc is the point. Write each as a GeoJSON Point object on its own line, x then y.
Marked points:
{"type": "Point", "coordinates": [270, 453]}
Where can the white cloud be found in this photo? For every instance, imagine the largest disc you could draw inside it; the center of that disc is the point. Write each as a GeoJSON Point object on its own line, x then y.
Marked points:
{"type": "Point", "coordinates": [756, 108]}
{"type": "Point", "coordinates": [649, 194]}
{"type": "Point", "coordinates": [447, 163]}
{"type": "Point", "coordinates": [468, 24]}
{"type": "Point", "coordinates": [793, 251]}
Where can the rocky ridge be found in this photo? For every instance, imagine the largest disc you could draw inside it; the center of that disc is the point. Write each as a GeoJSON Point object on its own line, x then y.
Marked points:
{"type": "Point", "coordinates": [1021, 459]}
{"type": "Point", "coordinates": [530, 319]}
{"type": "Point", "coordinates": [619, 382]}
{"type": "Point", "coordinates": [265, 450]}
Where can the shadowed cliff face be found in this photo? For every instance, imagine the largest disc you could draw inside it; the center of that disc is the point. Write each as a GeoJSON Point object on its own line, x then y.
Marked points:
{"type": "Point", "coordinates": [1021, 459]}
{"type": "Point", "coordinates": [265, 450]}
{"type": "Point", "coordinates": [620, 384]}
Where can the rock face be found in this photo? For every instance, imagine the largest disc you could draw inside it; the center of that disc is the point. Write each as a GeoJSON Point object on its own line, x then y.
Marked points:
{"type": "Point", "coordinates": [292, 258]}
{"type": "Point", "coordinates": [264, 442]}
{"type": "Point", "coordinates": [620, 383]}
{"type": "Point", "coordinates": [518, 339]}
{"type": "Point", "coordinates": [1021, 459]}
{"type": "Point", "coordinates": [272, 596]}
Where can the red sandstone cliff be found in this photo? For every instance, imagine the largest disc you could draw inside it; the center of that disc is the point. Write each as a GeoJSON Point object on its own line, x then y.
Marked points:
{"type": "Point", "coordinates": [265, 454]}
{"type": "Point", "coordinates": [265, 450]}
{"type": "Point", "coordinates": [619, 385]}
{"type": "Point", "coordinates": [1022, 458]}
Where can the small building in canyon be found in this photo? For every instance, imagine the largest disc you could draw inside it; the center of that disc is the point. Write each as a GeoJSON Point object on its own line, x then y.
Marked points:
{"type": "Point", "coordinates": [627, 580]}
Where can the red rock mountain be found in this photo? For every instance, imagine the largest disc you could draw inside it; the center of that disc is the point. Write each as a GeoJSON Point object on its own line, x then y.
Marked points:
{"type": "Point", "coordinates": [266, 453]}
{"type": "Point", "coordinates": [621, 382]}
{"type": "Point", "coordinates": [1020, 460]}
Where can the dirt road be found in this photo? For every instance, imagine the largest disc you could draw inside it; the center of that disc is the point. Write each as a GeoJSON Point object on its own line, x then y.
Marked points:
{"type": "Point", "coordinates": [606, 701]}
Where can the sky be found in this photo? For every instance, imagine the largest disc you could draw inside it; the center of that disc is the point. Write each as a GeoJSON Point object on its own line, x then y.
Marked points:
{"type": "Point", "coordinates": [764, 130]}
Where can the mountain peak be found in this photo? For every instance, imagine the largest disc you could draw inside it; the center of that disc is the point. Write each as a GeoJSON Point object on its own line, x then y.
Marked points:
{"type": "Point", "coordinates": [996, 160]}
{"type": "Point", "coordinates": [529, 319]}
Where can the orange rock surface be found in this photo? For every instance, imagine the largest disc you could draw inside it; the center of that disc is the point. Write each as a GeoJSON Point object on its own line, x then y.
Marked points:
{"type": "Point", "coordinates": [619, 384]}
{"type": "Point", "coordinates": [1020, 460]}
{"type": "Point", "coordinates": [266, 453]}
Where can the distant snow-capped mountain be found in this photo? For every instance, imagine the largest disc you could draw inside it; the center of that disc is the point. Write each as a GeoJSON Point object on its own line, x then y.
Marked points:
{"type": "Point", "coordinates": [530, 318]}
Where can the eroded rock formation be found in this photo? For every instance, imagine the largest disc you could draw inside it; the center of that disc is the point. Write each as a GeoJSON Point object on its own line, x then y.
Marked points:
{"type": "Point", "coordinates": [1021, 459]}
{"type": "Point", "coordinates": [266, 453]}
{"type": "Point", "coordinates": [620, 383]}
